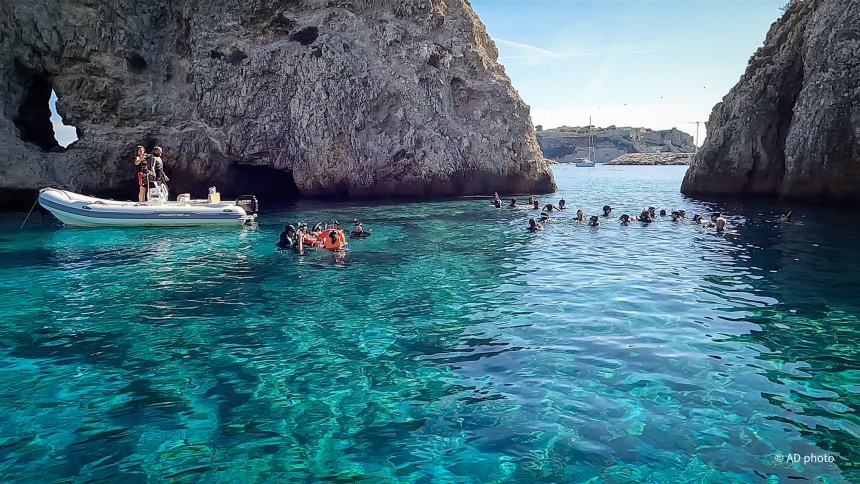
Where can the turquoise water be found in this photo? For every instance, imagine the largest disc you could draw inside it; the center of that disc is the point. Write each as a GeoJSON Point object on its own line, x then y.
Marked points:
{"type": "Point", "coordinates": [451, 346]}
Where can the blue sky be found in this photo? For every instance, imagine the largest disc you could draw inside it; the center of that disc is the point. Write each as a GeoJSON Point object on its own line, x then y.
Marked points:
{"type": "Point", "coordinates": [64, 135]}
{"type": "Point", "coordinates": [657, 64]}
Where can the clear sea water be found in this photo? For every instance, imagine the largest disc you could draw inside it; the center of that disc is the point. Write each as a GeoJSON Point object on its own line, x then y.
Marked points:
{"type": "Point", "coordinates": [451, 346]}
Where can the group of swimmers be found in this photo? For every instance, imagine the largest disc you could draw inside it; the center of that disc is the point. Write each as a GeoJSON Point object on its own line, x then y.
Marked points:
{"type": "Point", "coordinates": [323, 235]}
{"type": "Point", "coordinates": [647, 215]}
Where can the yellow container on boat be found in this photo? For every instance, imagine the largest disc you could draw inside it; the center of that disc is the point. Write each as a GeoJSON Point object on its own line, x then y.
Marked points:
{"type": "Point", "coordinates": [214, 197]}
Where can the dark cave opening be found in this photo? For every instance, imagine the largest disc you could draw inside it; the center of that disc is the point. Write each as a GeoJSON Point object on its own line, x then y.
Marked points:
{"type": "Point", "coordinates": [306, 36]}
{"type": "Point", "coordinates": [136, 63]}
{"type": "Point", "coordinates": [267, 183]}
{"type": "Point", "coordinates": [34, 114]}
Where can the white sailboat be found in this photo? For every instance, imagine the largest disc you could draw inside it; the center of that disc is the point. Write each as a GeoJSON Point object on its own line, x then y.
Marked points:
{"type": "Point", "coordinates": [588, 160]}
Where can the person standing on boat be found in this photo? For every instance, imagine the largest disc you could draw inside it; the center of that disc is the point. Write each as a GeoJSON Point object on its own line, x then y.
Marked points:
{"type": "Point", "coordinates": [158, 165]}
{"type": "Point", "coordinates": [142, 165]}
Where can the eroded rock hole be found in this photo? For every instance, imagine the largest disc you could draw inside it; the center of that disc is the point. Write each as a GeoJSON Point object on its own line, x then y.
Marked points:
{"type": "Point", "coordinates": [267, 183]}
{"type": "Point", "coordinates": [136, 63]}
{"type": "Point", "coordinates": [37, 117]}
{"type": "Point", "coordinates": [306, 36]}
{"type": "Point", "coordinates": [236, 57]}
{"type": "Point", "coordinates": [435, 60]}
{"type": "Point", "coordinates": [64, 134]}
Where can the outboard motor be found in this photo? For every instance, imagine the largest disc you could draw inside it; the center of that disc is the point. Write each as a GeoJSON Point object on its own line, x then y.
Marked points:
{"type": "Point", "coordinates": [157, 192]}
{"type": "Point", "coordinates": [248, 203]}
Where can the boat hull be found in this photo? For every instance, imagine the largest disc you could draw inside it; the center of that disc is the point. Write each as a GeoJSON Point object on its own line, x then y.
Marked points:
{"type": "Point", "coordinates": [81, 211]}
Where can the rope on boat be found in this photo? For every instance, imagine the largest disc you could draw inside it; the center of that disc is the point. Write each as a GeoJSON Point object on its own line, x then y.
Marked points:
{"type": "Point", "coordinates": [29, 213]}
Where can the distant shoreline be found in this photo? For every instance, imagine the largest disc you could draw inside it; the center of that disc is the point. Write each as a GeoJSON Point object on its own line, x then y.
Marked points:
{"type": "Point", "coordinates": [652, 159]}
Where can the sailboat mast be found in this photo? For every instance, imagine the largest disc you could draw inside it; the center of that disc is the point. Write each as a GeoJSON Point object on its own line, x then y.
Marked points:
{"type": "Point", "coordinates": [590, 140]}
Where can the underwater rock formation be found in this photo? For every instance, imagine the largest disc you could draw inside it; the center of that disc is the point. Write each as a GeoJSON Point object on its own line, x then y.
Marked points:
{"type": "Point", "coordinates": [791, 126]}
{"type": "Point", "coordinates": [370, 98]}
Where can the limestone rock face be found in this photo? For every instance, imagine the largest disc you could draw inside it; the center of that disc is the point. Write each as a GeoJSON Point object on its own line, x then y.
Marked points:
{"type": "Point", "coordinates": [791, 126]}
{"type": "Point", "coordinates": [280, 97]}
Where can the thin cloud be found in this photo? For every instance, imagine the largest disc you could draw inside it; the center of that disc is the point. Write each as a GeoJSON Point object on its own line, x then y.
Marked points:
{"type": "Point", "coordinates": [536, 51]}
{"type": "Point", "coordinates": [533, 52]}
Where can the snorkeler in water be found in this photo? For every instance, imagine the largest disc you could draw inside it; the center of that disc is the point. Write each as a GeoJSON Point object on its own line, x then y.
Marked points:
{"type": "Point", "coordinates": [358, 231]}
{"type": "Point", "coordinates": [645, 217]}
{"type": "Point", "coordinates": [625, 219]}
{"type": "Point", "coordinates": [662, 212]}
{"type": "Point", "coordinates": [676, 216]}
{"type": "Point", "coordinates": [607, 210]}
{"type": "Point", "coordinates": [285, 240]}
{"type": "Point", "coordinates": [561, 204]}
{"type": "Point", "coordinates": [719, 221]}
{"type": "Point", "coordinates": [593, 221]}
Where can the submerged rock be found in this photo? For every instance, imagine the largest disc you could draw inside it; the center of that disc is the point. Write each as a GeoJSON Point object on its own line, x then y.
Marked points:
{"type": "Point", "coordinates": [371, 98]}
{"type": "Point", "coordinates": [791, 126]}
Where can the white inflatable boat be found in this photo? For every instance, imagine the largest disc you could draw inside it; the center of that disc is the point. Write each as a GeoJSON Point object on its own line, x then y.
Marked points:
{"type": "Point", "coordinates": [83, 211]}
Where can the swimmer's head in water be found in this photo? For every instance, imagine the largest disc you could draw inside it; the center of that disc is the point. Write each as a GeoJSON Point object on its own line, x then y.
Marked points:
{"type": "Point", "coordinates": [561, 203]}
{"type": "Point", "coordinates": [663, 212]}
{"type": "Point", "coordinates": [532, 223]}
{"type": "Point", "coordinates": [697, 218]}
{"type": "Point", "coordinates": [676, 215]}
{"type": "Point", "coordinates": [593, 220]}
{"type": "Point", "coordinates": [607, 209]}
{"type": "Point", "coordinates": [579, 214]}
{"type": "Point", "coordinates": [625, 218]}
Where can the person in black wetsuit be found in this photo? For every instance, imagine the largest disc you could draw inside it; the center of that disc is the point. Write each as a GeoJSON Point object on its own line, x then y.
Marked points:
{"type": "Point", "coordinates": [358, 231]}
{"type": "Point", "coordinates": [286, 240]}
{"type": "Point", "coordinates": [157, 165]}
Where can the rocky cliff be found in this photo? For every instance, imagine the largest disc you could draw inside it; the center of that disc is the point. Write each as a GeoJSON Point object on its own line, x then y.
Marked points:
{"type": "Point", "coordinates": [566, 143]}
{"type": "Point", "coordinates": [791, 126]}
{"type": "Point", "coordinates": [281, 97]}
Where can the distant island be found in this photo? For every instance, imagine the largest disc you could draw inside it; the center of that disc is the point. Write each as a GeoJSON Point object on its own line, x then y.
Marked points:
{"type": "Point", "coordinates": [566, 143]}
{"type": "Point", "coordinates": [653, 159]}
